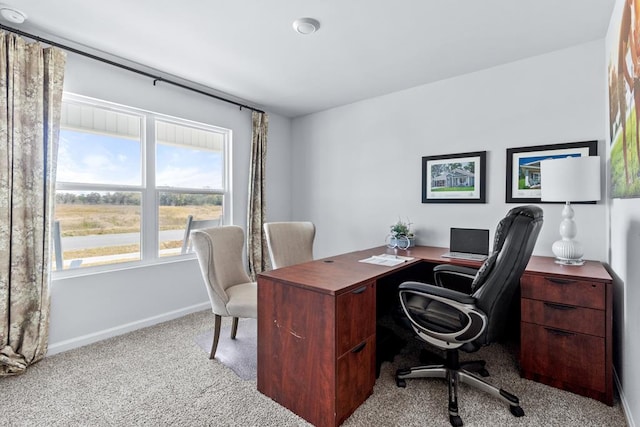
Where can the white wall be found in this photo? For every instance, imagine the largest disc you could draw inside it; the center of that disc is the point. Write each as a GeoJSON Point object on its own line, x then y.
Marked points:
{"type": "Point", "coordinates": [87, 308]}
{"type": "Point", "coordinates": [357, 168]}
{"type": "Point", "coordinates": [624, 250]}
{"type": "Point", "coordinates": [625, 247]}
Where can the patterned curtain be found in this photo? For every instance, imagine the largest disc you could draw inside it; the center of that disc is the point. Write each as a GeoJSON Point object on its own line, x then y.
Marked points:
{"type": "Point", "coordinates": [31, 79]}
{"type": "Point", "coordinates": [257, 252]}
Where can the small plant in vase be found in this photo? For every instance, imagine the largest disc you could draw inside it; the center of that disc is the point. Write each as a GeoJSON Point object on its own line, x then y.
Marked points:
{"type": "Point", "coordinates": [401, 235]}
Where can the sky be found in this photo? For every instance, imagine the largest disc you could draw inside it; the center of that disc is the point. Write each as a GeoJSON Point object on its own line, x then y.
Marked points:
{"type": "Point", "coordinates": [94, 158]}
{"type": "Point", "coordinates": [527, 160]}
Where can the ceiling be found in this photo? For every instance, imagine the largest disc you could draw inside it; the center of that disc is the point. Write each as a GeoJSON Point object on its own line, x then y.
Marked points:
{"type": "Point", "coordinates": [248, 49]}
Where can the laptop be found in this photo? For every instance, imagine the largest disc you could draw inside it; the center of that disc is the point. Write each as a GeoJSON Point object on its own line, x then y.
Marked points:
{"type": "Point", "coordinates": [468, 243]}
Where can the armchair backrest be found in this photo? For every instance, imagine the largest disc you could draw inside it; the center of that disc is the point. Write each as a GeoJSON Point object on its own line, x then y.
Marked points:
{"type": "Point", "coordinates": [289, 243]}
{"type": "Point", "coordinates": [219, 251]}
{"type": "Point", "coordinates": [499, 277]}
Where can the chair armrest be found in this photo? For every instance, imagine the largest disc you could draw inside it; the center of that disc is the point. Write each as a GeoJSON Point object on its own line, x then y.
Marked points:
{"type": "Point", "coordinates": [438, 291]}
{"type": "Point", "coordinates": [468, 273]}
{"type": "Point", "coordinates": [436, 317]}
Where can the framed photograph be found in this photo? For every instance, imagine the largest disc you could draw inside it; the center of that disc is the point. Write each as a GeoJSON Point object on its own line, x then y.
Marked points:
{"type": "Point", "coordinates": [454, 178]}
{"type": "Point", "coordinates": [523, 167]}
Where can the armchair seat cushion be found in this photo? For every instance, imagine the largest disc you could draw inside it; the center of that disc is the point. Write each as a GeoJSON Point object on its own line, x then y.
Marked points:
{"type": "Point", "coordinates": [435, 315]}
{"type": "Point", "coordinates": [243, 300]}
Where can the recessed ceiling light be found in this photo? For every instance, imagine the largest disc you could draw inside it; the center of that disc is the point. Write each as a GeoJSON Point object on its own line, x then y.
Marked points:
{"type": "Point", "coordinates": [306, 25]}
{"type": "Point", "coordinates": [12, 15]}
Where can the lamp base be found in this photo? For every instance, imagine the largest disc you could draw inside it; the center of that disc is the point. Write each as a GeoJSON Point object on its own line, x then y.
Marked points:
{"type": "Point", "coordinates": [568, 252]}
{"type": "Point", "coordinates": [563, 261]}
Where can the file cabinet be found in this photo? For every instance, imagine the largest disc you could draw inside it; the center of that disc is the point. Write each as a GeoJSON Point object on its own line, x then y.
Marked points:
{"type": "Point", "coordinates": [566, 328]}
{"type": "Point", "coordinates": [319, 360]}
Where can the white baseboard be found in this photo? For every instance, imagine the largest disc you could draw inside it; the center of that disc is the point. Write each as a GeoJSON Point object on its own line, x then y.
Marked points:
{"type": "Point", "coordinates": [625, 404]}
{"type": "Point", "coordinates": [81, 341]}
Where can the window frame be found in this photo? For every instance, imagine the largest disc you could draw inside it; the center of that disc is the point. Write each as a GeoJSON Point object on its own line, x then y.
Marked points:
{"type": "Point", "coordinates": [149, 192]}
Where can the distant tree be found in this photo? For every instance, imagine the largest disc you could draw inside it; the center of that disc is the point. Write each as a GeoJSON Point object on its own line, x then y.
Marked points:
{"type": "Point", "coordinates": [453, 166]}
{"type": "Point", "coordinates": [470, 167]}
{"type": "Point", "coordinates": [437, 170]}
{"type": "Point", "coordinates": [93, 198]}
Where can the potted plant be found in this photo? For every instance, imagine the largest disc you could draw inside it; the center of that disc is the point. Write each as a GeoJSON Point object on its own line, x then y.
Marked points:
{"type": "Point", "coordinates": [401, 230]}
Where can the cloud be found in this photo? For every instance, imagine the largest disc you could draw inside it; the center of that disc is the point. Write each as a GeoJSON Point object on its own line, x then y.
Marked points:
{"type": "Point", "coordinates": [99, 163]}
{"type": "Point", "coordinates": [189, 177]}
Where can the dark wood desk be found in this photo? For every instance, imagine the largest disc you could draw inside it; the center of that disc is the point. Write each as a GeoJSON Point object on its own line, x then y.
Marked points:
{"type": "Point", "coordinates": [317, 329]}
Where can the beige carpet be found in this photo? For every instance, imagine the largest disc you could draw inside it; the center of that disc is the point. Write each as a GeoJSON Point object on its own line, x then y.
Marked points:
{"type": "Point", "coordinates": [159, 376]}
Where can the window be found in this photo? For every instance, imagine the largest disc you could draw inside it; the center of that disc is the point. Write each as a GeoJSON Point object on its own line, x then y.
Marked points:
{"type": "Point", "coordinates": [128, 181]}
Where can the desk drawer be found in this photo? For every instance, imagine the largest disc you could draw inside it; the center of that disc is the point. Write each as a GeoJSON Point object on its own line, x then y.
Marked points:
{"type": "Point", "coordinates": [562, 316]}
{"type": "Point", "coordinates": [566, 357]}
{"type": "Point", "coordinates": [581, 293]}
{"type": "Point", "coordinates": [355, 377]}
{"type": "Point", "coordinates": [355, 317]}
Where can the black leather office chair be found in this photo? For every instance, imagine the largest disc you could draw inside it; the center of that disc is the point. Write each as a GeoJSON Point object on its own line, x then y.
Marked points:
{"type": "Point", "coordinates": [452, 320]}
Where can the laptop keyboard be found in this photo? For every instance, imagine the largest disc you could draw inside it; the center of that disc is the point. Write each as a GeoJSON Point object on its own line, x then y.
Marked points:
{"type": "Point", "coordinates": [462, 255]}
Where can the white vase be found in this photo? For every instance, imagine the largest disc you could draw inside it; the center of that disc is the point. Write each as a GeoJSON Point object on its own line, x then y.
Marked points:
{"type": "Point", "coordinates": [393, 241]}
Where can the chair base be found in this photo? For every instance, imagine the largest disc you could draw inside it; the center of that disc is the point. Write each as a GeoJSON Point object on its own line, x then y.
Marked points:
{"type": "Point", "coordinates": [455, 372]}
{"type": "Point", "coordinates": [476, 366]}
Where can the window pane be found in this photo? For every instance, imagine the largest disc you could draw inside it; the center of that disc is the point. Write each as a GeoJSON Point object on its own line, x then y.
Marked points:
{"type": "Point", "coordinates": [99, 146]}
{"type": "Point", "coordinates": [98, 159]}
{"type": "Point", "coordinates": [96, 228]}
{"type": "Point", "coordinates": [174, 212]}
{"type": "Point", "coordinates": [188, 157]}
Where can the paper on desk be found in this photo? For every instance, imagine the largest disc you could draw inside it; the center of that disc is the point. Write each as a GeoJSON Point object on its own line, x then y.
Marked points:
{"type": "Point", "coordinates": [387, 259]}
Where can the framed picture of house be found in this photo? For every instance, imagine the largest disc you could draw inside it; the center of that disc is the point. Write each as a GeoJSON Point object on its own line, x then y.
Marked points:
{"type": "Point", "coordinates": [523, 167]}
{"type": "Point", "coordinates": [454, 178]}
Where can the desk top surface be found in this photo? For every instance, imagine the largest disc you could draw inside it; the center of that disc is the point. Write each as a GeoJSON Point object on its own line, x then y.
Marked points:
{"type": "Point", "coordinates": [336, 274]}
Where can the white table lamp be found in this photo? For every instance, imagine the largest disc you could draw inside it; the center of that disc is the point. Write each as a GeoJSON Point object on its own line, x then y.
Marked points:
{"type": "Point", "coordinates": [569, 179]}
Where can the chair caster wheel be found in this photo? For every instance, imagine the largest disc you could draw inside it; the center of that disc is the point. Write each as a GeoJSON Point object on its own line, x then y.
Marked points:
{"type": "Point", "coordinates": [455, 420]}
{"type": "Point", "coordinates": [517, 411]}
{"type": "Point", "coordinates": [483, 373]}
{"type": "Point", "coordinates": [400, 382]}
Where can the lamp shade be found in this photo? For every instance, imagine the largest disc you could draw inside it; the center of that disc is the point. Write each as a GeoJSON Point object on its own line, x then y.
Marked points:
{"type": "Point", "coordinates": [570, 179]}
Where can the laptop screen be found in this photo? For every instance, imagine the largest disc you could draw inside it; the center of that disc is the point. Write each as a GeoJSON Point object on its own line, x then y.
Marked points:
{"type": "Point", "coordinates": [469, 240]}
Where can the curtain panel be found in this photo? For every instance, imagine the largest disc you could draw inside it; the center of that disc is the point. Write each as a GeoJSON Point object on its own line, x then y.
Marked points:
{"type": "Point", "coordinates": [257, 251]}
{"type": "Point", "coordinates": [31, 79]}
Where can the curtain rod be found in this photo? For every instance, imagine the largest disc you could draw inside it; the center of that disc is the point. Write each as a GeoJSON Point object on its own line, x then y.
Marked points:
{"type": "Point", "coordinates": [155, 78]}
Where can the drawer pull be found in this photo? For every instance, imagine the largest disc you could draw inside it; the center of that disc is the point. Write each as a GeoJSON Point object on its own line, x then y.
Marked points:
{"type": "Point", "coordinates": [559, 306]}
{"type": "Point", "coordinates": [559, 281]}
{"type": "Point", "coordinates": [359, 348]}
{"type": "Point", "coordinates": [360, 290]}
{"type": "Point", "coordinates": [560, 333]}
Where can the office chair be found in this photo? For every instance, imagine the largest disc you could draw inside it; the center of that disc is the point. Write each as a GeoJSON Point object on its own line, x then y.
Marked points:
{"type": "Point", "coordinates": [461, 278]}
{"type": "Point", "coordinates": [289, 243]}
{"type": "Point", "coordinates": [231, 291]}
{"type": "Point", "coordinates": [452, 320]}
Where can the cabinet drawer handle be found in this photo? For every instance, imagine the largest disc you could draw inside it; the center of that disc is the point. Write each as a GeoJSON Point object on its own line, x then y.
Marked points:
{"type": "Point", "coordinates": [360, 290]}
{"type": "Point", "coordinates": [359, 348]}
{"type": "Point", "coordinates": [559, 281]}
{"type": "Point", "coordinates": [559, 306]}
{"type": "Point", "coordinates": [560, 333]}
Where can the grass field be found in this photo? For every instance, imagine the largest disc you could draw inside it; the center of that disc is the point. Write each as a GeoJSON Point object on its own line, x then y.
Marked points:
{"type": "Point", "coordinates": [87, 220]}
{"type": "Point", "coordinates": [438, 189]}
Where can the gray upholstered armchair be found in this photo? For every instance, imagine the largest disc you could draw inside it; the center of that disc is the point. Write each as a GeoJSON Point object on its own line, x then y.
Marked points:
{"type": "Point", "coordinates": [231, 291]}
{"type": "Point", "coordinates": [289, 242]}
{"type": "Point", "coordinates": [450, 320]}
